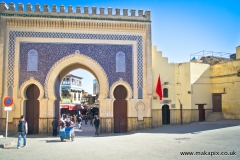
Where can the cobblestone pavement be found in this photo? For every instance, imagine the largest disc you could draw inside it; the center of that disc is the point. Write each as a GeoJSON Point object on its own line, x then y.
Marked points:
{"type": "Point", "coordinates": [152, 144]}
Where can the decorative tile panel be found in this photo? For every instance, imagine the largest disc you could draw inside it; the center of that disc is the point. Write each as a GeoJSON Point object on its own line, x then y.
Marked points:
{"type": "Point", "coordinates": [50, 53]}
{"type": "Point", "coordinates": [14, 34]}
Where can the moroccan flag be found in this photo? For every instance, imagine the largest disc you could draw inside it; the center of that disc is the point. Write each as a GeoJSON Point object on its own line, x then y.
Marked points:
{"type": "Point", "coordinates": [159, 88]}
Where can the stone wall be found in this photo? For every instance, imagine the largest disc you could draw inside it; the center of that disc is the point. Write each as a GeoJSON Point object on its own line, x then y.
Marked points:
{"type": "Point", "coordinates": [134, 124]}
{"type": "Point", "coordinates": [188, 116]}
{"type": "Point", "coordinates": [156, 117]}
{"type": "Point", "coordinates": [226, 82]}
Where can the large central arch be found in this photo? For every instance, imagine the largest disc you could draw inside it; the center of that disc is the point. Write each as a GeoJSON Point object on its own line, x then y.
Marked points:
{"type": "Point", "coordinates": [70, 62]}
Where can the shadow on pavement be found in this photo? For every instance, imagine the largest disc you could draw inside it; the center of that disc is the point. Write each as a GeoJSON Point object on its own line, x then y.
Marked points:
{"type": "Point", "coordinates": [193, 128]}
{"type": "Point", "coordinates": [87, 131]}
{"type": "Point", "coordinates": [52, 141]}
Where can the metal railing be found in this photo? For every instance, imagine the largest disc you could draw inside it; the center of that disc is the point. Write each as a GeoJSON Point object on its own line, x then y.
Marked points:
{"type": "Point", "coordinates": [208, 54]}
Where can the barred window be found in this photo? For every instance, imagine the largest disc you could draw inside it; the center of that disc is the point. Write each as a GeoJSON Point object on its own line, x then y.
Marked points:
{"type": "Point", "coordinates": [32, 62]}
{"type": "Point", "coordinates": [120, 62]}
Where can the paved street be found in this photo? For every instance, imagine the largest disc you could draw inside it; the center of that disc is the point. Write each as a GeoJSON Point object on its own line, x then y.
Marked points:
{"type": "Point", "coordinates": [159, 143]}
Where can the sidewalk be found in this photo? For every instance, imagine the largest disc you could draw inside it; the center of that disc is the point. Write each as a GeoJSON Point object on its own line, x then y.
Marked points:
{"type": "Point", "coordinates": [88, 131]}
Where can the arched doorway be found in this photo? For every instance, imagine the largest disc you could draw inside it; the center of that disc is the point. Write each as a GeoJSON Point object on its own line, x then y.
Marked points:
{"type": "Point", "coordinates": [120, 109]}
{"type": "Point", "coordinates": [32, 109]}
{"type": "Point", "coordinates": [165, 114]}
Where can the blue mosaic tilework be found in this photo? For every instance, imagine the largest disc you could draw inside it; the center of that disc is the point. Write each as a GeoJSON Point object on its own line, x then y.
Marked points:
{"type": "Point", "coordinates": [50, 53]}
{"type": "Point", "coordinates": [13, 34]}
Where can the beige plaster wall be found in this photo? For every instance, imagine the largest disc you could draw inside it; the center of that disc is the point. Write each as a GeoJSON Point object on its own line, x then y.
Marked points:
{"type": "Point", "coordinates": [2, 40]}
{"type": "Point", "coordinates": [160, 66]}
{"type": "Point", "coordinates": [201, 91]}
{"type": "Point", "coordinates": [225, 80]}
{"type": "Point", "coordinates": [182, 80]}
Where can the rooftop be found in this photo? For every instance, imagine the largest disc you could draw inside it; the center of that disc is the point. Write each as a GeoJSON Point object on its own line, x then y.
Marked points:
{"type": "Point", "coordinates": [211, 57]}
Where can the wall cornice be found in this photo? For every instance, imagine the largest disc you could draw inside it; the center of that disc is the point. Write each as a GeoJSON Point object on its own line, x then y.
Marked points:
{"type": "Point", "coordinates": [75, 25]}
{"type": "Point", "coordinates": [72, 17]}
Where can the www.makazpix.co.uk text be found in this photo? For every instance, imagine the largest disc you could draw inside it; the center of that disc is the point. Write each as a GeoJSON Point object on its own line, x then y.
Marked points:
{"type": "Point", "coordinates": [205, 153]}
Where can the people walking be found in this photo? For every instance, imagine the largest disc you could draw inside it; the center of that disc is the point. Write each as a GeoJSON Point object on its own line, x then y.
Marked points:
{"type": "Point", "coordinates": [74, 118]}
{"type": "Point", "coordinates": [22, 132]}
{"type": "Point", "coordinates": [86, 119]}
{"type": "Point", "coordinates": [90, 119]}
{"type": "Point", "coordinates": [96, 124]}
{"type": "Point", "coordinates": [69, 123]}
{"type": "Point", "coordinates": [55, 126]}
{"type": "Point", "coordinates": [79, 119]}
{"type": "Point", "coordinates": [60, 121]}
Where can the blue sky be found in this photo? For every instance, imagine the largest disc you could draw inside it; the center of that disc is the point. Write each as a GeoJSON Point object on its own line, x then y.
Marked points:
{"type": "Point", "coordinates": [179, 27]}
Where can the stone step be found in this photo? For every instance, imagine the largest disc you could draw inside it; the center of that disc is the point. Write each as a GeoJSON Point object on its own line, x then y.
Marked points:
{"type": "Point", "coordinates": [214, 116]}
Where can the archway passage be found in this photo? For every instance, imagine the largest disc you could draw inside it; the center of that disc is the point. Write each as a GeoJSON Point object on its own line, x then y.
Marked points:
{"type": "Point", "coordinates": [165, 114]}
{"type": "Point", "coordinates": [32, 109]}
{"type": "Point", "coordinates": [120, 109]}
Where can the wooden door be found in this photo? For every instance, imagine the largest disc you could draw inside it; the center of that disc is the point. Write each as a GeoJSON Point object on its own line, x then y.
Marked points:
{"type": "Point", "coordinates": [201, 112]}
{"type": "Point", "coordinates": [165, 114]}
{"type": "Point", "coordinates": [120, 109]}
{"type": "Point", "coordinates": [32, 109]}
{"type": "Point", "coordinates": [217, 102]}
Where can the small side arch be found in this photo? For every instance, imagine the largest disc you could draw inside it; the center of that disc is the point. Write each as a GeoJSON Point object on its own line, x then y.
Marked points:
{"type": "Point", "coordinates": [125, 84]}
{"type": "Point", "coordinates": [25, 85]}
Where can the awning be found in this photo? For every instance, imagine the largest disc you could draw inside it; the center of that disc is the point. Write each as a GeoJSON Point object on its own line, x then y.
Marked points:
{"type": "Point", "coordinates": [64, 106]}
{"type": "Point", "coordinates": [68, 106]}
{"type": "Point", "coordinates": [72, 107]}
{"type": "Point", "coordinates": [79, 106]}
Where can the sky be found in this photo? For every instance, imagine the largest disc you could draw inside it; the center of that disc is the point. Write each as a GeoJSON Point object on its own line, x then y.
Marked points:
{"type": "Point", "coordinates": [179, 27]}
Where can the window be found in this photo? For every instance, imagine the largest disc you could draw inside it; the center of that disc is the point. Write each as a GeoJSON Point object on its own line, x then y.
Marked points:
{"type": "Point", "coordinates": [120, 62]}
{"type": "Point", "coordinates": [165, 92]}
{"type": "Point", "coordinates": [67, 81]}
{"type": "Point", "coordinates": [32, 61]}
{"type": "Point", "coordinates": [64, 81]}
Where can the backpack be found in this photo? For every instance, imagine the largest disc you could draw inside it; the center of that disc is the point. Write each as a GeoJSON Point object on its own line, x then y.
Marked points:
{"type": "Point", "coordinates": [21, 126]}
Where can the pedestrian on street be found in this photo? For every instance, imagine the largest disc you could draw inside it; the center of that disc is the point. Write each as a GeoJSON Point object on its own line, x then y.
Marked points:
{"type": "Point", "coordinates": [79, 119]}
{"type": "Point", "coordinates": [74, 118]}
{"type": "Point", "coordinates": [86, 119]}
{"type": "Point", "coordinates": [90, 118]}
{"type": "Point", "coordinates": [96, 124]}
{"type": "Point", "coordinates": [60, 121]}
{"type": "Point", "coordinates": [22, 132]}
{"type": "Point", "coordinates": [69, 123]}
{"type": "Point", "coordinates": [55, 126]}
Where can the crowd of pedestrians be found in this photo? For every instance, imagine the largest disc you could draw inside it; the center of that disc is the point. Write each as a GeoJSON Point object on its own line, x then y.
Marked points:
{"type": "Point", "coordinates": [70, 120]}
{"type": "Point", "coordinates": [65, 121]}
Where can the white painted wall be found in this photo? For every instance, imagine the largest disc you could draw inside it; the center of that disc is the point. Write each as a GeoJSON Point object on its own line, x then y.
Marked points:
{"type": "Point", "coordinates": [201, 85]}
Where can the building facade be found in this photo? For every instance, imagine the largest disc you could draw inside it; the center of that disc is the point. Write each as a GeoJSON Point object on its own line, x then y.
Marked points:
{"type": "Point", "coordinates": [225, 79]}
{"type": "Point", "coordinates": [193, 90]}
{"type": "Point", "coordinates": [71, 89]}
{"type": "Point", "coordinates": [38, 48]}
{"type": "Point", "coordinates": [95, 87]}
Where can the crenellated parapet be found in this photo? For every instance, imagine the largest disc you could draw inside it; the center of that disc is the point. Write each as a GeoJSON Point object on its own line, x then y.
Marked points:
{"type": "Point", "coordinates": [71, 13]}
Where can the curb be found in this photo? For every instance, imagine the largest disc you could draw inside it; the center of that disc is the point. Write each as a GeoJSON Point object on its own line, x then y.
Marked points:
{"type": "Point", "coordinates": [7, 144]}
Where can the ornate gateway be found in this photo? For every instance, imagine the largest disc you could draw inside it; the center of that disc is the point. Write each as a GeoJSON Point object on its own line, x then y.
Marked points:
{"type": "Point", "coordinates": [38, 48]}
